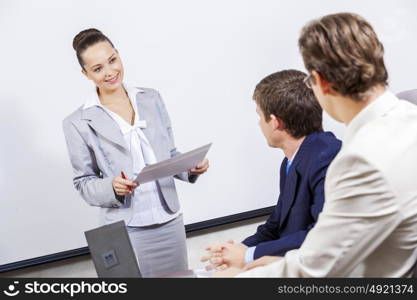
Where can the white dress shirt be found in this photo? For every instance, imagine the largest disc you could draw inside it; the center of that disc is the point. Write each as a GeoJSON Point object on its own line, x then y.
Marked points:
{"type": "Point", "coordinates": [149, 206]}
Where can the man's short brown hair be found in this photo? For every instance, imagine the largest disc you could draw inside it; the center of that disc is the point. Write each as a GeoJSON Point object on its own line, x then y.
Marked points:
{"type": "Point", "coordinates": [344, 49]}
{"type": "Point", "coordinates": [284, 95]}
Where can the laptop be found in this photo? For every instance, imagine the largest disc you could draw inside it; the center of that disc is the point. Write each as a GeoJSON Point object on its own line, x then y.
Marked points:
{"type": "Point", "coordinates": [113, 254]}
{"type": "Point", "coordinates": [112, 251]}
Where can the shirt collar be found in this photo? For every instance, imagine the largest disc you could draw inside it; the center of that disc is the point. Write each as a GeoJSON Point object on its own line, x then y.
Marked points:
{"type": "Point", "coordinates": [293, 156]}
{"type": "Point", "coordinates": [94, 100]}
{"type": "Point", "coordinates": [377, 108]}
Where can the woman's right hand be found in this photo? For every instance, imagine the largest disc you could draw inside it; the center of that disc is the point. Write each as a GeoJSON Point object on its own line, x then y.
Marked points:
{"type": "Point", "coordinates": [123, 187]}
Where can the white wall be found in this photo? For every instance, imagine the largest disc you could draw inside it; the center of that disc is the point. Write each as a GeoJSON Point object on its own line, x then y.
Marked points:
{"type": "Point", "coordinates": [205, 57]}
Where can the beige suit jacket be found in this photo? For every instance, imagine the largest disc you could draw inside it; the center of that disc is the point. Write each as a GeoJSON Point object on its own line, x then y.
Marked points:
{"type": "Point", "coordinates": [368, 226]}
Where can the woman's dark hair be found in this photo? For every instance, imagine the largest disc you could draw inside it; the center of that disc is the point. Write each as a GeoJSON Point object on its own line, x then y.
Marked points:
{"type": "Point", "coordinates": [85, 39]}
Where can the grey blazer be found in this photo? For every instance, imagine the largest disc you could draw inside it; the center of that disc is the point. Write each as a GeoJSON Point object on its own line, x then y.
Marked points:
{"type": "Point", "coordinates": [98, 153]}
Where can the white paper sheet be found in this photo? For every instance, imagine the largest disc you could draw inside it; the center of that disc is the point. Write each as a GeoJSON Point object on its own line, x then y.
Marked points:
{"type": "Point", "coordinates": [173, 166]}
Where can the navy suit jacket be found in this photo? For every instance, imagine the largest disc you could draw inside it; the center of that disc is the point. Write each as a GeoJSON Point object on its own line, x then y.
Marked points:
{"type": "Point", "coordinates": [301, 197]}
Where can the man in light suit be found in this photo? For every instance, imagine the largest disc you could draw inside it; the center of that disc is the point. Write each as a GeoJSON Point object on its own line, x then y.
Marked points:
{"type": "Point", "coordinates": [368, 226]}
{"type": "Point", "coordinates": [291, 119]}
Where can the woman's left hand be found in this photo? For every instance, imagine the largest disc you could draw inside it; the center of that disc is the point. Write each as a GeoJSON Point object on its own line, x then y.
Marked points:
{"type": "Point", "coordinates": [200, 168]}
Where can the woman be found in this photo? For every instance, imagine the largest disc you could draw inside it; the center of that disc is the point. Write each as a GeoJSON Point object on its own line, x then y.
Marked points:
{"type": "Point", "coordinates": [117, 132]}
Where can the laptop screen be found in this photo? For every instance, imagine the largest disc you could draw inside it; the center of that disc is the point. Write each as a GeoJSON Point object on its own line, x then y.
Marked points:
{"type": "Point", "coordinates": [112, 251]}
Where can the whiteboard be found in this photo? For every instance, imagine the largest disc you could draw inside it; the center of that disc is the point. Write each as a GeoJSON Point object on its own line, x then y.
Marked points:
{"type": "Point", "coordinates": [205, 58]}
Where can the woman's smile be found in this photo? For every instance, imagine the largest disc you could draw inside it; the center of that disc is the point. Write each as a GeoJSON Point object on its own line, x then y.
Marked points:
{"type": "Point", "coordinates": [113, 80]}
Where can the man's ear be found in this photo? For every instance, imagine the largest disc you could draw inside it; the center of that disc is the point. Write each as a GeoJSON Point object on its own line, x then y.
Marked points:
{"type": "Point", "coordinates": [324, 85]}
{"type": "Point", "coordinates": [276, 122]}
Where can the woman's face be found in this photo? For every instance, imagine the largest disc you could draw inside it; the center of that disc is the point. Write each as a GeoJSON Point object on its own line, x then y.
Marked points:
{"type": "Point", "coordinates": [103, 66]}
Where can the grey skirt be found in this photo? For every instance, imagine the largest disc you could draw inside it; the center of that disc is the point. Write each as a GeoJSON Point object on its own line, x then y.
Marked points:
{"type": "Point", "coordinates": [160, 249]}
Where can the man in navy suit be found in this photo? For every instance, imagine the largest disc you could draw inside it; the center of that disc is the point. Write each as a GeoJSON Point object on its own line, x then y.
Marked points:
{"type": "Point", "coordinates": [291, 119]}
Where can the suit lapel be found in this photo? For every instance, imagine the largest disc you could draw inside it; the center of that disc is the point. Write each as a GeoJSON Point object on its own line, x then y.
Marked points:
{"type": "Point", "coordinates": [289, 192]}
{"type": "Point", "coordinates": [291, 180]}
{"type": "Point", "coordinates": [102, 123]}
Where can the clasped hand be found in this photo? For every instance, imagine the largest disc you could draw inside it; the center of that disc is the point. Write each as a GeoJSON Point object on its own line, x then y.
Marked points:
{"type": "Point", "coordinates": [228, 259]}
{"type": "Point", "coordinates": [221, 256]}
